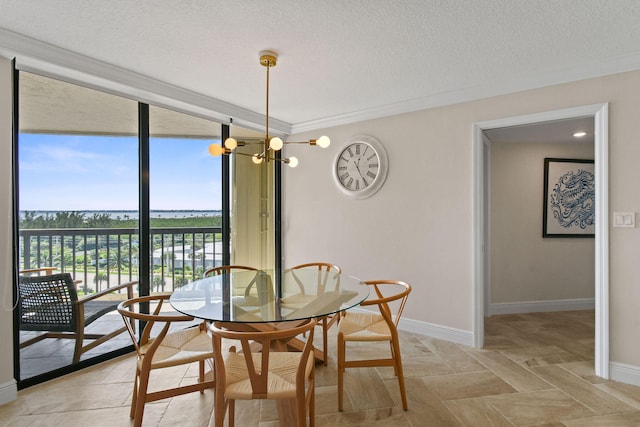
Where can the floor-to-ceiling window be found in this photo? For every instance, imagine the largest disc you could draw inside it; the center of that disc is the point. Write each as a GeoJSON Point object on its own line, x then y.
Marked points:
{"type": "Point", "coordinates": [185, 198]}
{"type": "Point", "coordinates": [112, 190]}
{"type": "Point", "coordinates": [78, 203]}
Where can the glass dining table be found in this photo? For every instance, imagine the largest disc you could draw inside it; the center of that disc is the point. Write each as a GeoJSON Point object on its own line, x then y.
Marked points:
{"type": "Point", "coordinates": [252, 299]}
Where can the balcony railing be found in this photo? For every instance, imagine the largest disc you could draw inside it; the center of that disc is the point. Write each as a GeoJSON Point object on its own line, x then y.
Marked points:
{"type": "Point", "coordinates": [104, 257]}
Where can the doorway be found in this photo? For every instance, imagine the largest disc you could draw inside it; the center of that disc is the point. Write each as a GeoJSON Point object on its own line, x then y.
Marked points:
{"type": "Point", "coordinates": [599, 114]}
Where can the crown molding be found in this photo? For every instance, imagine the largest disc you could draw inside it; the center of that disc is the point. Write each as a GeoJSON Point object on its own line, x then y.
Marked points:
{"type": "Point", "coordinates": [523, 82]}
{"type": "Point", "coordinates": [39, 57]}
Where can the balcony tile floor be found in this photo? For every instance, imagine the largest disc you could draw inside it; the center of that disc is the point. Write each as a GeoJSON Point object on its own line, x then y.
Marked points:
{"type": "Point", "coordinates": [536, 370]}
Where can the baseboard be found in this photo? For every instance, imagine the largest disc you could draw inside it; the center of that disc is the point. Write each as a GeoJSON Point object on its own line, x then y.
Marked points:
{"type": "Point", "coordinates": [624, 373]}
{"type": "Point", "coordinates": [446, 333]}
{"type": "Point", "coordinates": [542, 306]}
{"type": "Point", "coordinates": [8, 392]}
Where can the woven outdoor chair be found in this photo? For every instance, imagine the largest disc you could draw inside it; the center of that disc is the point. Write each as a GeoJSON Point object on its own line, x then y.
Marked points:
{"type": "Point", "coordinates": [50, 304]}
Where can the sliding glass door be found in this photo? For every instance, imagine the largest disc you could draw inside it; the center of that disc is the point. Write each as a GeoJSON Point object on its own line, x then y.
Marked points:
{"type": "Point", "coordinates": [81, 176]}
{"type": "Point", "coordinates": [78, 210]}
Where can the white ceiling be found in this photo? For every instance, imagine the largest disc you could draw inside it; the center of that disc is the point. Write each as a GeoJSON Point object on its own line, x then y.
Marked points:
{"type": "Point", "coordinates": [340, 61]}
{"type": "Point", "coordinates": [553, 132]}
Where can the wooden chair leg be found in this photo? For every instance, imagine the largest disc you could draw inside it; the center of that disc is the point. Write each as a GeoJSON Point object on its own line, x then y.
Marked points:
{"type": "Point", "coordinates": [399, 372]}
{"type": "Point", "coordinates": [301, 415]}
{"type": "Point", "coordinates": [393, 356]}
{"type": "Point", "coordinates": [77, 352]}
{"type": "Point", "coordinates": [134, 398]}
{"type": "Point", "coordinates": [232, 413]}
{"type": "Point", "coordinates": [312, 401]}
{"type": "Point", "coordinates": [325, 346]}
{"type": "Point", "coordinates": [219, 408]}
{"type": "Point", "coordinates": [201, 374]}
{"type": "Point", "coordinates": [141, 398]}
{"type": "Point", "coordinates": [341, 363]}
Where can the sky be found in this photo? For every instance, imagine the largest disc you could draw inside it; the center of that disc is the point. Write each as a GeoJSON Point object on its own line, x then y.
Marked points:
{"type": "Point", "coordinates": [80, 172]}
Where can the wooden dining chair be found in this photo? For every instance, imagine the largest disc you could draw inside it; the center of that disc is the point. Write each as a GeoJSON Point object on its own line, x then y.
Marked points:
{"type": "Point", "coordinates": [375, 327]}
{"type": "Point", "coordinates": [216, 271]}
{"type": "Point", "coordinates": [273, 373]}
{"type": "Point", "coordinates": [325, 271]}
{"type": "Point", "coordinates": [252, 292]}
{"type": "Point", "coordinates": [164, 350]}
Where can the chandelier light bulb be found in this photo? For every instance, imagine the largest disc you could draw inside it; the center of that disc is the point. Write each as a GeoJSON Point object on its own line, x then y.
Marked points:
{"type": "Point", "coordinates": [276, 143]}
{"type": "Point", "coordinates": [268, 60]}
{"type": "Point", "coordinates": [215, 150]}
{"type": "Point", "coordinates": [323, 141]}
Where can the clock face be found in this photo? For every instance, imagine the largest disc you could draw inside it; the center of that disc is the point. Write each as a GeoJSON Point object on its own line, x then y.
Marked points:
{"type": "Point", "coordinates": [360, 167]}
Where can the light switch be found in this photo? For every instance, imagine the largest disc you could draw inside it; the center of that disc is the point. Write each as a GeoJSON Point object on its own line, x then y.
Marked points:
{"type": "Point", "coordinates": [624, 219]}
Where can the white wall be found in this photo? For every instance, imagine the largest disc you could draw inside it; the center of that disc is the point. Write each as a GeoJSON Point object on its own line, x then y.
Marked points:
{"type": "Point", "coordinates": [7, 383]}
{"type": "Point", "coordinates": [525, 267]}
{"type": "Point", "coordinates": [418, 227]}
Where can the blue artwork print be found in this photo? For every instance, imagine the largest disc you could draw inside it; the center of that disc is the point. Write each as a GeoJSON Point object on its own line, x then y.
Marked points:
{"type": "Point", "coordinates": [572, 199]}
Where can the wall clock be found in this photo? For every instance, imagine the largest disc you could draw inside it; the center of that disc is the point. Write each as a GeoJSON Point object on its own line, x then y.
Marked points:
{"type": "Point", "coordinates": [360, 168]}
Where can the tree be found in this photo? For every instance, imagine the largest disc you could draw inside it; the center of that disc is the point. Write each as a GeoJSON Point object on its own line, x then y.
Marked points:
{"type": "Point", "coordinates": [100, 277]}
{"type": "Point", "coordinates": [180, 281]}
{"type": "Point", "coordinates": [67, 220]}
{"type": "Point", "coordinates": [97, 220]}
{"type": "Point", "coordinates": [159, 281]}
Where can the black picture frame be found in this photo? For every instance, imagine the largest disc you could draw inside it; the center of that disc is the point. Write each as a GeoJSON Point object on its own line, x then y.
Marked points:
{"type": "Point", "coordinates": [569, 198]}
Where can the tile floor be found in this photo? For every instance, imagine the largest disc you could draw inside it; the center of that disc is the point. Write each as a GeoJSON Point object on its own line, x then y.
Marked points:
{"type": "Point", "coordinates": [536, 369]}
{"type": "Point", "coordinates": [50, 354]}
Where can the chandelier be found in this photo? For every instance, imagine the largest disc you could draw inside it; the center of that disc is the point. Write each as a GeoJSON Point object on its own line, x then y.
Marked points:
{"type": "Point", "coordinates": [270, 145]}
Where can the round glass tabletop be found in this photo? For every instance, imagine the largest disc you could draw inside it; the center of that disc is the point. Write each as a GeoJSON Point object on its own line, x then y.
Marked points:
{"type": "Point", "coordinates": [252, 296]}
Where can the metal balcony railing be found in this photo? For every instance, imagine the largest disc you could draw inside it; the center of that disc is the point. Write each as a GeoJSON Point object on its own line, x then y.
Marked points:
{"type": "Point", "coordinates": [104, 257]}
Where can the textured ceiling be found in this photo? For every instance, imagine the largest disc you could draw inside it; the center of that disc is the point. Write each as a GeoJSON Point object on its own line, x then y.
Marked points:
{"type": "Point", "coordinates": [338, 57]}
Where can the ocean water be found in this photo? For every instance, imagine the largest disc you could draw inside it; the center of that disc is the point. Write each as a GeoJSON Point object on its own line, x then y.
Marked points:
{"type": "Point", "coordinates": [135, 214]}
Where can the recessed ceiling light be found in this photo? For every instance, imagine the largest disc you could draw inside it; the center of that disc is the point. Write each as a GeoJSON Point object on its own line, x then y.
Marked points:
{"type": "Point", "coordinates": [579, 134]}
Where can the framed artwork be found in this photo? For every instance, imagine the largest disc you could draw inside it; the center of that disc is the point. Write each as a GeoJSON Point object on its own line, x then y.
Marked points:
{"type": "Point", "coordinates": [569, 198]}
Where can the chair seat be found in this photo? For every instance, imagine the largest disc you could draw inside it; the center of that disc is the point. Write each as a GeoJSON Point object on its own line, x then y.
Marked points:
{"type": "Point", "coordinates": [56, 316]}
{"type": "Point", "coordinates": [364, 327]}
{"type": "Point", "coordinates": [95, 309]}
{"type": "Point", "coordinates": [297, 300]}
{"type": "Point", "coordinates": [281, 380]}
{"type": "Point", "coordinates": [180, 347]}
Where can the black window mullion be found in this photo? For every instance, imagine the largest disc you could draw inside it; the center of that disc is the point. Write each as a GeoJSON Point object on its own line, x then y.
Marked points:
{"type": "Point", "coordinates": [226, 206]}
{"type": "Point", "coordinates": [144, 224]}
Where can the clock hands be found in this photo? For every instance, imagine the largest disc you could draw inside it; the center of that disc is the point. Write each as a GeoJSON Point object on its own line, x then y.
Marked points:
{"type": "Point", "coordinates": [358, 167]}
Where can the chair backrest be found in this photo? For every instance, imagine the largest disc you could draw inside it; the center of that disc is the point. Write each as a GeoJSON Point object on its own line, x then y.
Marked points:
{"type": "Point", "coordinates": [259, 376]}
{"type": "Point", "coordinates": [130, 311]}
{"type": "Point", "coordinates": [395, 292]}
{"type": "Point", "coordinates": [39, 271]}
{"type": "Point", "coordinates": [228, 269]}
{"type": "Point", "coordinates": [325, 271]}
{"type": "Point", "coordinates": [216, 271]}
{"type": "Point", "coordinates": [47, 303]}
